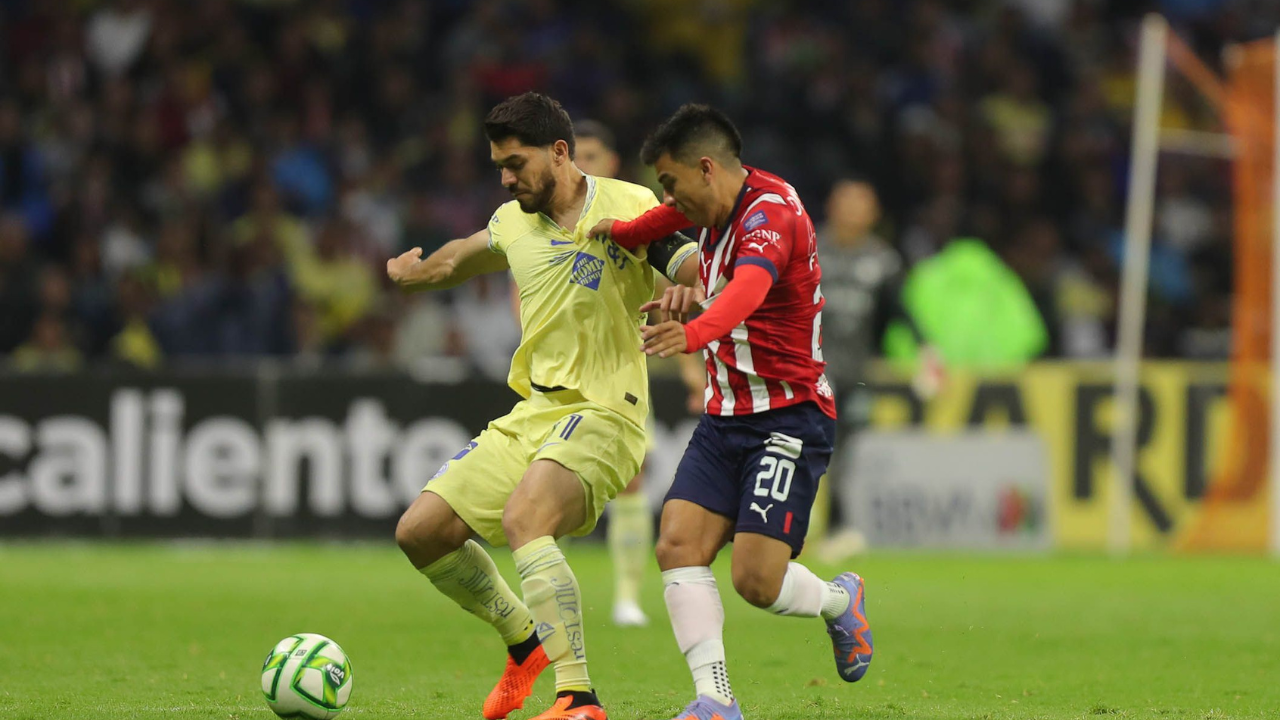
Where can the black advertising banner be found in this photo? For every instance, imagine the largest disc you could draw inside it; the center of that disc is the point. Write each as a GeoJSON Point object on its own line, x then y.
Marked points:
{"type": "Point", "coordinates": [269, 452]}
{"type": "Point", "coordinates": [254, 454]}
{"type": "Point", "coordinates": [124, 454]}
{"type": "Point", "coordinates": [355, 451]}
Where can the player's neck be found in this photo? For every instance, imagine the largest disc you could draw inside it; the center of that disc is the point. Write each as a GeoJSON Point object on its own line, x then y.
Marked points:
{"type": "Point", "coordinates": [730, 187]}
{"type": "Point", "coordinates": [569, 198]}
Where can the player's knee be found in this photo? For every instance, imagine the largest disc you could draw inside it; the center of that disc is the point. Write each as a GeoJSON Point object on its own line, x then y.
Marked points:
{"type": "Point", "coordinates": [424, 538]}
{"type": "Point", "coordinates": [756, 586]}
{"type": "Point", "coordinates": [408, 536]}
{"type": "Point", "coordinates": [674, 551]}
{"type": "Point", "coordinates": [667, 552]}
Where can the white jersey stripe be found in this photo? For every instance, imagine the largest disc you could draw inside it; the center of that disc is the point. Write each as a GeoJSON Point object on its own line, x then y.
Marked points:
{"type": "Point", "coordinates": [817, 325]}
{"type": "Point", "coordinates": [722, 252]}
{"type": "Point", "coordinates": [746, 365]}
{"type": "Point", "coordinates": [707, 392]}
{"type": "Point", "coordinates": [722, 379]}
{"type": "Point", "coordinates": [767, 197]}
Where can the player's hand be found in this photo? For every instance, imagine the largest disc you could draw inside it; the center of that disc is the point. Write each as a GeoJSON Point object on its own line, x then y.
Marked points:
{"type": "Point", "coordinates": [398, 267]}
{"type": "Point", "coordinates": [602, 229]}
{"type": "Point", "coordinates": [664, 339]}
{"type": "Point", "coordinates": [676, 303]}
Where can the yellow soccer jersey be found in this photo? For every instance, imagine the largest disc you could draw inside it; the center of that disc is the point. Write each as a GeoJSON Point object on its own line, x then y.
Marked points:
{"type": "Point", "coordinates": [580, 300]}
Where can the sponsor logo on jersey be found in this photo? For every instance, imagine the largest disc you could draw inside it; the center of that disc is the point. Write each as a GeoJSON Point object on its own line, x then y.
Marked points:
{"type": "Point", "coordinates": [758, 239]}
{"type": "Point", "coordinates": [757, 219]}
{"type": "Point", "coordinates": [587, 270]}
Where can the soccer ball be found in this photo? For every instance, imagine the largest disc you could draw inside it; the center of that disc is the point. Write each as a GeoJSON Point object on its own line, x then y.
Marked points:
{"type": "Point", "coordinates": [307, 676]}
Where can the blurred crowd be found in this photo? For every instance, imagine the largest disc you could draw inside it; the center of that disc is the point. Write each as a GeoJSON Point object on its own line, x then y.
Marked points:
{"type": "Point", "coordinates": [216, 180]}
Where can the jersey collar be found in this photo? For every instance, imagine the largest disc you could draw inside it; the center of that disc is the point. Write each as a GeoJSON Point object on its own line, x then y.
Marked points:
{"type": "Point", "coordinates": [736, 205]}
{"type": "Point", "coordinates": [591, 195]}
{"type": "Point", "coordinates": [586, 205]}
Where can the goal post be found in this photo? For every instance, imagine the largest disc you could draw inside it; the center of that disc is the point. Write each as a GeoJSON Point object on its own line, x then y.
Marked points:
{"type": "Point", "coordinates": [1241, 507]}
{"type": "Point", "coordinates": [1139, 215]}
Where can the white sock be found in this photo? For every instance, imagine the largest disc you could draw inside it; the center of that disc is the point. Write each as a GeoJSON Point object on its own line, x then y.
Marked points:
{"type": "Point", "coordinates": [697, 619]}
{"type": "Point", "coordinates": [807, 595]}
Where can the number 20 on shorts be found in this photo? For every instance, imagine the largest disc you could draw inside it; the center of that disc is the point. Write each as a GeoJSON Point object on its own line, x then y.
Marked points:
{"type": "Point", "coordinates": [774, 478]}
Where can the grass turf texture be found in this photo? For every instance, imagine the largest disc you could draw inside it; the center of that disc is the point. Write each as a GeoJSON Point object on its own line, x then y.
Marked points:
{"type": "Point", "coordinates": [156, 631]}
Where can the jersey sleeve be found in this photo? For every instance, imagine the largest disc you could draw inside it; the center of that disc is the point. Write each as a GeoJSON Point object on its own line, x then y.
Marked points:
{"type": "Point", "coordinates": [741, 297]}
{"type": "Point", "coordinates": [657, 222]}
{"type": "Point", "coordinates": [497, 236]}
{"type": "Point", "coordinates": [768, 234]}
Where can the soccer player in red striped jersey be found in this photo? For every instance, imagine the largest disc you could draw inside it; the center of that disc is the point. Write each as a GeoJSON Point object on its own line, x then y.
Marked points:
{"type": "Point", "coordinates": [751, 470]}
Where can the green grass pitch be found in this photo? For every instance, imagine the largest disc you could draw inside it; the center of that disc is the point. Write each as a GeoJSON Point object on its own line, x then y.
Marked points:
{"type": "Point", "coordinates": [179, 631]}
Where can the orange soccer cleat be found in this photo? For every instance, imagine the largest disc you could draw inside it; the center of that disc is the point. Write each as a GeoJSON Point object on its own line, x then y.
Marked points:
{"type": "Point", "coordinates": [574, 706]}
{"type": "Point", "coordinates": [515, 685]}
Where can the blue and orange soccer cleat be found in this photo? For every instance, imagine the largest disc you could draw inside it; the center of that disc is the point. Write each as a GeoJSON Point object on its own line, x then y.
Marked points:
{"type": "Point", "coordinates": [851, 633]}
{"type": "Point", "coordinates": [704, 708]}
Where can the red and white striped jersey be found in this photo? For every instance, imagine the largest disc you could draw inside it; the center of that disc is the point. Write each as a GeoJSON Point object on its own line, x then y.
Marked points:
{"type": "Point", "coordinates": [774, 358]}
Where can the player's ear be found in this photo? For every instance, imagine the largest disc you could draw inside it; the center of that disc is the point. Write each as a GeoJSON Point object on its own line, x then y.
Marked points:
{"type": "Point", "coordinates": [560, 152]}
{"type": "Point", "coordinates": [707, 167]}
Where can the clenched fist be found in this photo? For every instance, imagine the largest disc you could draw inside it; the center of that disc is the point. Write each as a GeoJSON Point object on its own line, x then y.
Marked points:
{"type": "Point", "coordinates": [398, 267]}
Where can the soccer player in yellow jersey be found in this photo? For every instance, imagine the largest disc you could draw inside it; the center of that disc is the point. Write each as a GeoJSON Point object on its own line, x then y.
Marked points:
{"type": "Point", "coordinates": [548, 467]}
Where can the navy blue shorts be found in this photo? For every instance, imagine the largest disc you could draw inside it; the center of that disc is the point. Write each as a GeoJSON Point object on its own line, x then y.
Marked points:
{"type": "Point", "coordinates": [760, 470]}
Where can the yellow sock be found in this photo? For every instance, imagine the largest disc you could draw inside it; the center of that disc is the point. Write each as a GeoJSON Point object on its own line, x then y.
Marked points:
{"type": "Point", "coordinates": [552, 595]}
{"type": "Point", "coordinates": [630, 544]}
{"type": "Point", "coordinates": [470, 578]}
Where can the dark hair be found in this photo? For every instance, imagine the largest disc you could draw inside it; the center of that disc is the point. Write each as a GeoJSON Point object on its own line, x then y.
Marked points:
{"type": "Point", "coordinates": [532, 118]}
{"type": "Point", "coordinates": [692, 132]}
{"type": "Point", "coordinates": [595, 129]}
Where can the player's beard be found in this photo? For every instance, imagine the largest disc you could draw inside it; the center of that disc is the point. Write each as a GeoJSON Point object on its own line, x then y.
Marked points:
{"type": "Point", "coordinates": [540, 201]}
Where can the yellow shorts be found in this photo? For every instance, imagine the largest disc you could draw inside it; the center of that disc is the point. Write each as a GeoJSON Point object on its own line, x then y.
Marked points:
{"type": "Point", "coordinates": [603, 448]}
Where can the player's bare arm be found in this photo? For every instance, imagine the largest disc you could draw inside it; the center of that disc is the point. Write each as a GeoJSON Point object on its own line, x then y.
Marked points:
{"type": "Point", "coordinates": [450, 266]}
{"type": "Point", "coordinates": [677, 301]}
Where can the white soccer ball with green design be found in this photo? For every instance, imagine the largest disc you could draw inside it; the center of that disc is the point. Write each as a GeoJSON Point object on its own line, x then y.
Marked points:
{"type": "Point", "coordinates": [307, 676]}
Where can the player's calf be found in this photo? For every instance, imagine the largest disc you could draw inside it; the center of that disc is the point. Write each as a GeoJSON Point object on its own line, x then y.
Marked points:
{"type": "Point", "coordinates": [759, 568]}
{"type": "Point", "coordinates": [757, 584]}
